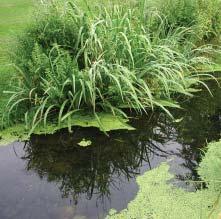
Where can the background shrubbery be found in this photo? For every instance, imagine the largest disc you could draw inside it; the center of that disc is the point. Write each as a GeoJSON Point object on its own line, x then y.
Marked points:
{"type": "Point", "coordinates": [202, 16]}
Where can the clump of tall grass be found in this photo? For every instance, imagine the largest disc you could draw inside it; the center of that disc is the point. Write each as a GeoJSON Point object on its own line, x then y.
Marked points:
{"type": "Point", "coordinates": [71, 59]}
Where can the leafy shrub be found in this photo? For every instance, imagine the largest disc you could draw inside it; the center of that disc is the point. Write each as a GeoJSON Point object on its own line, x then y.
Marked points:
{"type": "Point", "coordinates": [71, 59]}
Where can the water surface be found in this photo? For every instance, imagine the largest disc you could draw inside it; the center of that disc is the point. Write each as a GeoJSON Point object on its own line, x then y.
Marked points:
{"type": "Point", "coordinates": [52, 177]}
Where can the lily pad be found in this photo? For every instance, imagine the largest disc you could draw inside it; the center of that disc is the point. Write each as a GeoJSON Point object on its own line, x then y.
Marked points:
{"type": "Point", "coordinates": [85, 143]}
{"type": "Point", "coordinates": [104, 121]}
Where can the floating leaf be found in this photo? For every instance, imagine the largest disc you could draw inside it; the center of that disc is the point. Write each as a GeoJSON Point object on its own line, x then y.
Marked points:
{"type": "Point", "coordinates": [85, 143]}
{"type": "Point", "coordinates": [108, 121]}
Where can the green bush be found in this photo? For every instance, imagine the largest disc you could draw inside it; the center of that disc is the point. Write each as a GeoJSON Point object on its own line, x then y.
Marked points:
{"type": "Point", "coordinates": [72, 59]}
{"type": "Point", "coordinates": [202, 16]}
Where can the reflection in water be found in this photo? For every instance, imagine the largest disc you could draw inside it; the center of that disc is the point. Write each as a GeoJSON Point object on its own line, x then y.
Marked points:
{"type": "Point", "coordinates": [108, 166]}
{"type": "Point", "coordinates": [105, 171]}
{"type": "Point", "coordinates": [201, 123]}
{"type": "Point", "coordinates": [119, 157]}
{"type": "Point", "coordinates": [94, 169]}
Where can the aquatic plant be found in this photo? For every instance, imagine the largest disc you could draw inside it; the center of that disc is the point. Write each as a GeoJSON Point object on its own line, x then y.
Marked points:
{"type": "Point", "coordinates": [157, 199]}
{"type": "Point", "coordinates": [72, 60]}
{"type": "Point", "coordinates": [109, 122]}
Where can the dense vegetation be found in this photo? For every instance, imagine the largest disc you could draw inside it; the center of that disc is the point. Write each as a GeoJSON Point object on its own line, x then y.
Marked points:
{"type": "Point", "coordinates": [200, 15]}
{"type": "Point", "coordinates": [105, 58]}
{"type": "Point", "coordinates": [78, 61]}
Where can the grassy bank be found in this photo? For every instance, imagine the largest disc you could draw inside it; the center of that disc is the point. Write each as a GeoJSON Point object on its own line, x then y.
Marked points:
{"type": "Point", "coordinates": [14, 15]}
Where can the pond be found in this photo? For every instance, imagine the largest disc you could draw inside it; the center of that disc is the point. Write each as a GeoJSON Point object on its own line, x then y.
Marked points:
{"type": "Point", "coordinates": [51, 176]}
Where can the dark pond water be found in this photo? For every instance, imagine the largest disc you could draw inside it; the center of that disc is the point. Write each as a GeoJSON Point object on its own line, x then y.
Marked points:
{"type": "Point", "coordinates": [52, 177]}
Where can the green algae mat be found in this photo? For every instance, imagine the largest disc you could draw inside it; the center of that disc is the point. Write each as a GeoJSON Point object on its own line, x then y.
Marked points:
{"type": "Point", "coordinates": [158, 199]}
